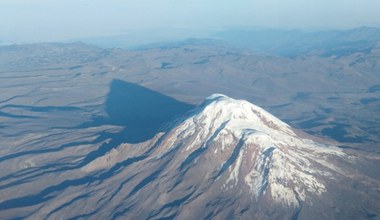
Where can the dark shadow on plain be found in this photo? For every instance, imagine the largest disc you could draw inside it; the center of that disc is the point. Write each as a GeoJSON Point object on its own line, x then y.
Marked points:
{"type": "Point", "coordinates": [142, 111]}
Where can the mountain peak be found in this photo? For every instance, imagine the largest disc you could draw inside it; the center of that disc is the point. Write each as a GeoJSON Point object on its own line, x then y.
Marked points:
{"type": "Point", "coordinates": [227, 156]}
{"type": "Point", "coordinates": [250, 149]}
{"type": "Point", "coordinates": [239, 115]}
{"type": "Point", "coordinates": [217, 96]}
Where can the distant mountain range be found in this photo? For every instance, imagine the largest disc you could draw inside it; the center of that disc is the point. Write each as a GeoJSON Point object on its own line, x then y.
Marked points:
{"type": "Point", "coordinates": [289, 43]}
{"type": "Point", "coordinates": [298, 43]}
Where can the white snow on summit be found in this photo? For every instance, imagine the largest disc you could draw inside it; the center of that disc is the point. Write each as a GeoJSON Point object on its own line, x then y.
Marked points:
{"type": "Point", "coordinates": [268, 156]}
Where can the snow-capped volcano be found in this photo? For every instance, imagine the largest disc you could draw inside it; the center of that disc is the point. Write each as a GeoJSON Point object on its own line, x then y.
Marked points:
{"type": "Point", "coordinates": [227, 156]}
{"type": "Point", "coordinates": [251, 149]}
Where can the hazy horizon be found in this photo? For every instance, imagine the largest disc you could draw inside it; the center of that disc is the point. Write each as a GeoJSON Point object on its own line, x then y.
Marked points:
{"type": "Point", "coordinates": [24, 21]}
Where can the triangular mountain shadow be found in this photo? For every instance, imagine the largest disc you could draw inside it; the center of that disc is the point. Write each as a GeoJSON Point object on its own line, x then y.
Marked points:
{"type": "Point", "coordinates": [142, 111]}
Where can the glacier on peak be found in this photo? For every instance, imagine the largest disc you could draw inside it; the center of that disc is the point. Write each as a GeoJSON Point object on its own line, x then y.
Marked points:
{"type": "Point", "coordinates": [237, 114]}
{"type": "Point", "coordinates": [254, 148]}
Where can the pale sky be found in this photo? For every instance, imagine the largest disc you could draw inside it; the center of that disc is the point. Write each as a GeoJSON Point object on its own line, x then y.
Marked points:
{"type": "Point", "coordinates": [55, 20]}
